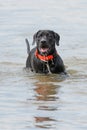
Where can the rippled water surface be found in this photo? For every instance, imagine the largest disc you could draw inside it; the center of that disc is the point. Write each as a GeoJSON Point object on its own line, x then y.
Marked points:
{"type": "Point", "coordinates": [43, 102]}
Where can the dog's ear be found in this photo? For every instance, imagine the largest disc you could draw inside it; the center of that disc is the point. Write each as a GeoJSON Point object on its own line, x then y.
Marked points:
{"type": "Point", "coordinates": [57, 38]}
{"type": "Point", "coordinates": [35, 37]}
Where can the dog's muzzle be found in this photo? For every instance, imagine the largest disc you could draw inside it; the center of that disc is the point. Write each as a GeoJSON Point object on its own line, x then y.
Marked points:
{"type": "Point", "coordinates": [44, 47]}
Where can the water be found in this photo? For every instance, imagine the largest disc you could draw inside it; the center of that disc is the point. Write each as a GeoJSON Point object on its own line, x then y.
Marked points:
{"type": "Point", "coordinates": [38, 102]}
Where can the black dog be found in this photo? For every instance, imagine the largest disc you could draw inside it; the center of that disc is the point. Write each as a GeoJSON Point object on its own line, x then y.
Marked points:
{"type": "Point", "coordinates": [44, 57]}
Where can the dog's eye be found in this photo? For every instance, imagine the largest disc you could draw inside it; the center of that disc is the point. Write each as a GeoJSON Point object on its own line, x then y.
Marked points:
{"type": "Point", "coordinates": [50, 37]}
{"type": "Point", "coordinates": [40, 35]}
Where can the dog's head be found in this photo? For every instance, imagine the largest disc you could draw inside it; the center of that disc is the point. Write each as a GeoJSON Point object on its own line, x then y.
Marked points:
{"type": "Point", "coordinates": [46, 40]}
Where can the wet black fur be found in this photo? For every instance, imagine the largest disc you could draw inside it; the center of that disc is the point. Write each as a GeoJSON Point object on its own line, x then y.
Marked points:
{"type": "Point", "coordinates": [45, 38]}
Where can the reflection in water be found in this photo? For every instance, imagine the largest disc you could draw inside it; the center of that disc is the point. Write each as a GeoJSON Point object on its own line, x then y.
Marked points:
{"type": "Point", "coordinates": [47, 92]}
{"type": "Point", "coordinates": [50, 78]}
{"type": "Point", "coordinates": [45, 121]}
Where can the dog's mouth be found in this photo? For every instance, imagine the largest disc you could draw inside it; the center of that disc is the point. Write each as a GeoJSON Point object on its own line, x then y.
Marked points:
{"type": "Point", "coordinates": [44, 50]}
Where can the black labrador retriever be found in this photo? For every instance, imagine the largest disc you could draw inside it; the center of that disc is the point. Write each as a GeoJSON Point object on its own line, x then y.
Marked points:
{"type": "Point", "coordinates": [44, 57]}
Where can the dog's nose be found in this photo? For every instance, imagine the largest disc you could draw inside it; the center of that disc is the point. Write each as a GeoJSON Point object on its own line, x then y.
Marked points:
{"type": "Point", "coordinates": [43, 41]}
